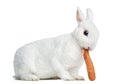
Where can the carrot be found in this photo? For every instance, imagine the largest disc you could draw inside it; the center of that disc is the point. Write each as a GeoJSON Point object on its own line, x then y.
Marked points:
{"type": "Point", "coordinates": [89, 65]}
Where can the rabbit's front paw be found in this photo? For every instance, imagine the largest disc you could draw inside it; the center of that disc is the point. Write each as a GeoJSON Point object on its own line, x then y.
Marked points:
{"type": "Point", "coordinates": [66, 76]}
{"type": "Point", "coordinates": [29, 77]}
{"type": "Point", "coordinates": [79, 78]}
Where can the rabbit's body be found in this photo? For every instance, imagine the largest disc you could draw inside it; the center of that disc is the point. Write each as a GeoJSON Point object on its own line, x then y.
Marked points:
{"type": "Point", "coordinates": [61, 56]}
{"type": "Point", "coordinates": [39, 58]}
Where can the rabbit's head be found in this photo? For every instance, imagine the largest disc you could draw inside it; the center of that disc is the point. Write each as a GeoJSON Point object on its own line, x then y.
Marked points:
{"type": "Point", "coordinates": [86, 32]}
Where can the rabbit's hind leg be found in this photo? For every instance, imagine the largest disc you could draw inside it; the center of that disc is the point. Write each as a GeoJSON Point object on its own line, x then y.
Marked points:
{"type": "Point", "coordinates": [29, 77]}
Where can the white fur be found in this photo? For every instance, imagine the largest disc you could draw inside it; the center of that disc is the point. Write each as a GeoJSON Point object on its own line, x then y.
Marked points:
{"type": "Point", "coordinates": [61, 56]}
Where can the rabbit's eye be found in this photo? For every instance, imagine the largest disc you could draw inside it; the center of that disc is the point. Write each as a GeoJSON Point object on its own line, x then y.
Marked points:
{"type": "Point", "coordinates": [85, 33]}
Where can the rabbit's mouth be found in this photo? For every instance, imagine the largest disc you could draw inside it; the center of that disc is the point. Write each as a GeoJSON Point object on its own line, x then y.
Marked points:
{"type": "Point", "coordinates": [89, 48]}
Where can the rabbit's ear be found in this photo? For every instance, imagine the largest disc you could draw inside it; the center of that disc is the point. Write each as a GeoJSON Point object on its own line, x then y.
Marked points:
{"type": "Point", "coordinates": [79, 15]}
{"type": "Point", "coordinates": [89, 14]}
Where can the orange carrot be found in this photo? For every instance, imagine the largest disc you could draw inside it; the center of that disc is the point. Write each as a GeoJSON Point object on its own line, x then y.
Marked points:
{"type": "Point", "coordinates": [89, 65]}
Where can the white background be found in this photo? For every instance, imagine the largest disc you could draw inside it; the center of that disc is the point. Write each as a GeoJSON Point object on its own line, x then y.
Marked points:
{"type": "Point", "coordinates": [23, 21]}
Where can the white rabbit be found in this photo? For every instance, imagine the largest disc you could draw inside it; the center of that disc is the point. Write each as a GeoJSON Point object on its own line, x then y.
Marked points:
{"type": "Point", "coordinates": [61, 56]}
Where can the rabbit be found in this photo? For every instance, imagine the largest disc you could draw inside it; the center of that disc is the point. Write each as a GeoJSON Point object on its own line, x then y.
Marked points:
{"type": "Point", "coordinates": [57, 57]}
